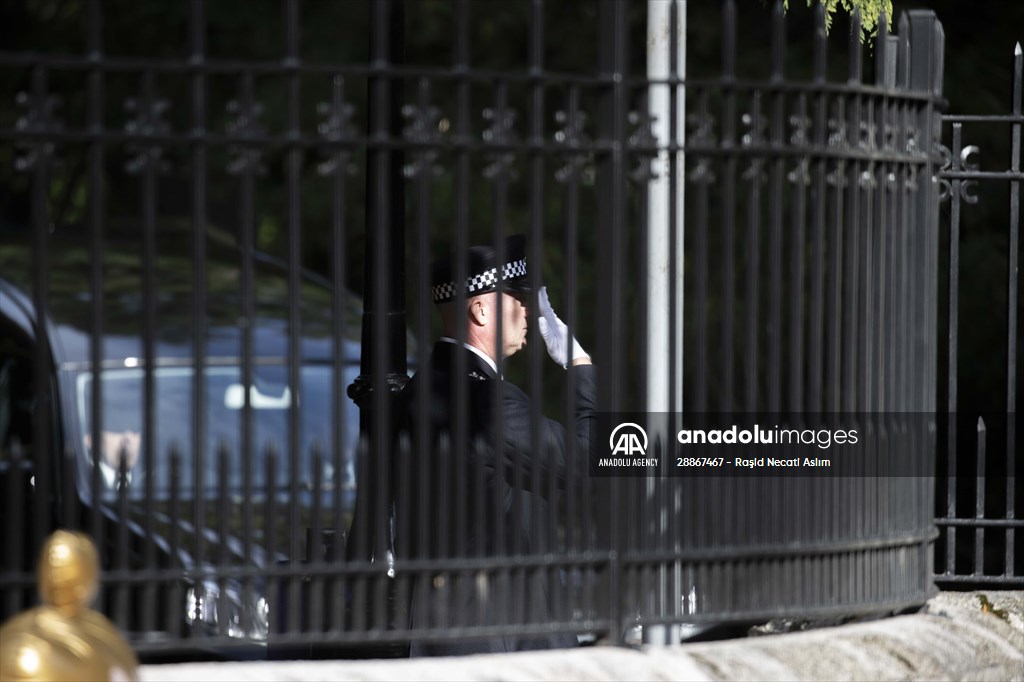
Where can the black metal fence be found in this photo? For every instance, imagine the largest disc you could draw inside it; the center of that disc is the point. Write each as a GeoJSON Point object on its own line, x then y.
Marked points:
{"type": "Point", "coordinates": [979, 513]}
{"type": "Point", "coordinates": [160, 299]}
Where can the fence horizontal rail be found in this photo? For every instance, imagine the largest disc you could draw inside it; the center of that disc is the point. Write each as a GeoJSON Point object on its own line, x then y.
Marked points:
{"type": "Point", "coordinates": [285, 67]}
{"type": "Point", "coordinates": [980, 522]}
{"type": "Point", "coordinates": [554, 149]}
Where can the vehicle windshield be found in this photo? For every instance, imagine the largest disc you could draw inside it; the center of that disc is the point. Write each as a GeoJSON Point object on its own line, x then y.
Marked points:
{"type": "Point", "coordinates": [270, 397]}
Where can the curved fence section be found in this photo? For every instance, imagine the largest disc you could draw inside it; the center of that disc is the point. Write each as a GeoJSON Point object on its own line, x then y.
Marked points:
{"type": "Point", "coordinates": [811, 279]}
{"type": "Point", "coordinates": [215, 276]}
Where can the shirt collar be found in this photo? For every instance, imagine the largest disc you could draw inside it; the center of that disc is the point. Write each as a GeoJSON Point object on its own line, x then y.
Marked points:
{"type": "Point", "coordinates": [474, 349]}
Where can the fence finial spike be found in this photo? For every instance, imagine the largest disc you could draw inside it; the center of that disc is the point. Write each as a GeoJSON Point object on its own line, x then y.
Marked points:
{"type": "Point", "coordinates": [904, 24]}
{"type": "Point", "coordinates": [882, 50]}
{"type": "Point", "coordinates": [854, 49]}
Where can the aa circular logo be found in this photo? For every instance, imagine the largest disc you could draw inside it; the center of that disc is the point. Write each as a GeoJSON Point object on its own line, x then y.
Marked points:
{"type": "Point", "coordinates": [628, 439]}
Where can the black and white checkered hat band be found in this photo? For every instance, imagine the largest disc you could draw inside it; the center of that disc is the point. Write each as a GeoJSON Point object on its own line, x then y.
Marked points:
{"type": "Point", "coordinates": [480, 282]}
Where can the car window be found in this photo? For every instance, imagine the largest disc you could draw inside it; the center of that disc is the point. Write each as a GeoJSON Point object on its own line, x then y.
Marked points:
{"type": "Point", "coordinates": [224, 396]}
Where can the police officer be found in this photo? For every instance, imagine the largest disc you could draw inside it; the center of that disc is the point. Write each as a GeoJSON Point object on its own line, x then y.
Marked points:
{"type": "Point", "coordinates": [490, 326]}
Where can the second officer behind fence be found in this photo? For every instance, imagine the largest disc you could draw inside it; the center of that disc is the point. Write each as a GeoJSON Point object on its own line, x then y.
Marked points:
{"type": "Point", "coordinates": [456, 508]}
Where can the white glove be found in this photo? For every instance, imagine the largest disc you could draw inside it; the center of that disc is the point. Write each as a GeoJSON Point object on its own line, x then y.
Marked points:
{"type": "Point", "coordinates": [556, 334]}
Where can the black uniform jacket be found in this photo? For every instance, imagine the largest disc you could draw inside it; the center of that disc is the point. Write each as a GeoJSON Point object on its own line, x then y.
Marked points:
{"type": "Point", "coordinates": [478, 500]}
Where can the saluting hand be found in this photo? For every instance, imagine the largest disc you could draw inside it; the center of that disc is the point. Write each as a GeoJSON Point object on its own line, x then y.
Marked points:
{"type": "Point", "coordinates": [556, 335]}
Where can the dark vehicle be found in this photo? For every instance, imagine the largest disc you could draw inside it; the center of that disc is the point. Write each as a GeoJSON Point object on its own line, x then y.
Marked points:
{"type": "Point", "coordinates": [192, 510]}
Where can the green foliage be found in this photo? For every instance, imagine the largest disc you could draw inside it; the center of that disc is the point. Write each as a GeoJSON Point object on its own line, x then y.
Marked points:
{"type": "Point", "coordinates": [870, 11]}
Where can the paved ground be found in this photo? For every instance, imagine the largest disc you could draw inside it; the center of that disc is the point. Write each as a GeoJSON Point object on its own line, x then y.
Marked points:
{"type": "Point", "coordinates": [959, 636]}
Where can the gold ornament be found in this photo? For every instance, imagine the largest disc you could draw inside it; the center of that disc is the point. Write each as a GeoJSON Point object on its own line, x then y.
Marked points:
{"type": "Point", "coordinates": [64, 640]}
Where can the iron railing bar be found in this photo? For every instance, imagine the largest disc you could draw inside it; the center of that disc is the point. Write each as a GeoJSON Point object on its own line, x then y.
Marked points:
{"type": "Point", "coordinates": [340, 457]}
{"type": "Point", "coordinates": [211, 361]}
{"type": "Point", "coordinates": [728, 224]}
{"type": "Point", "coordinates": [248, 304]}
{"type": "Point", "coordinates": [1015, 118]}
{"type": "Point", "coordinates": [1012, 299]}
{"type": "Point", "coordinates": [915, 224]}
{"type": "Point", "coordinates": [895, 504]}
{"type": "Point", "coordinates": [908, 181]}
{"type": "Point", "coordinates": [884, 74]}
{"type": "Point", "coordinates": [877, 607]}
{"type": "Point", "coordinates": [95, 95]}
{"type": "Point", "coordinates": [613, 65]}
{"type": "Point", "coordinates": [490, 631]}
{"type": "Point", "coordinates": [175, 598]}
{"type": "Point", "coordinates": [892, 503]}
{"type": "Point", "coordinates": [953, 357]}
{"type": "Point", "coordinates": [795, 86]}
{"type": "Point", "coordinates": [270, 520]}
{"type": "Point", "coordinates": [481, 563]}
{"type": "Point", "coordinates": [197, 98]}
{"type": "Point", "coordinates": [775, 214]}
{"type": "Point", "coordinates": [816, 337]}
{"type": "Point", "coordinates": [222, 606]}
{"type": "Point", "coordinates": [461, 431]}
{"type": "Point", "coordinates": [600, 148]}
{"type": "Point", "coordinates": [926, 76]}
{"type": "Point", "coordinates": [386, 215]}
{"type": "Point", "coordinates": [728, 206]}
{"type": "Point", "coordinates": [929, 439]}
{"type": "Point", "coordinates": [526, 582]}
{"type": "Point", "coordinates": [1015, 175]}
{"type": "Point", "coordinates": [754, 149]}
{"type": "Point", "coordinates": [420, 546]}
{"type": "Point", "coordinates": [788, 549]}
{"type": "Point", "coordinates": [120, 558]}
{"type": "Point", "coordinates": [979, 499]}
{"type": "Point", "coordinates": [147, 105]}
{"type": "Point", "coordinates": [403, 474]}
{"type": "Point", "coordinates": [1009, 523]}
{"type": "Point", "coordinates": [569, 250]}
{"type": "Point", "coordinates": [315, 549]}
{"type": "Point", "coordinates": [483, 76]}
{"type": "Point", "coordinates": [320, 568]}
{"type": "Point", "coordinates": [837, 180]}
{"type": "Point", "coordinates": [868, 193]}
{"type": "Point", "coordinates": [350, 639]}
{"type": "Point", "coordinates": [699, 176]}
{"type": "Point", "coordinates": [753, 244]}
{"type": "Point", "coordinates": [1011, 581]}
{"type": "Point", "coordinates": [797, 344]}
{"type": "Point", "coordinates": [42, 389]}
{"type": "Point", "coordinates": [848, 495]}
{"type": "Point", "coordinates": [284, 67]}
{"type": "Point", "coordinates": [534, 276]}
{"type": "Point", "coordinates": [519, 611]}
{"type": "Point", "coordinates": [851, 330]}
{"type": "Point", "coordinates": [293, 171]}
